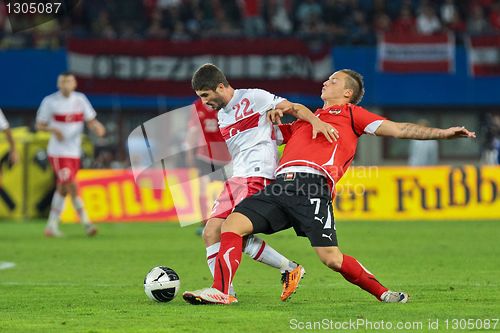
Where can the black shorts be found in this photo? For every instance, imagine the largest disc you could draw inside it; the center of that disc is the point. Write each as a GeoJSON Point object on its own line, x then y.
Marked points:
{"type": "Point", "coordinates": [209, 168]}
{"type": "Point", "coordinates": [299, 200]}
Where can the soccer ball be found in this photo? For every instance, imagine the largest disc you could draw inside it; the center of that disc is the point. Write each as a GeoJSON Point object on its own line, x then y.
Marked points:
{"type": "Point", "coordinates": [161, 284]}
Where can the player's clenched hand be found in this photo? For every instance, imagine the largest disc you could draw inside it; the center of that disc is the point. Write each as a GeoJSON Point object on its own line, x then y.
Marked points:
{"type": "Point", "coordinates": [330, 132]}
{"type": "Point", "coordinates": [275, 116]}
{"type": "Point", "coordinates": [458, 132]}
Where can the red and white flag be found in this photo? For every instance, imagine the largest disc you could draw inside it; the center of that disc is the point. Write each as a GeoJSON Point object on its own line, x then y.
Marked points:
{"type": "Point", "coordinates": [158, 67]}
{"type": "Point", "coordinates": [416, 53]}
{"type": "Point", "coordinates": [484, 55]}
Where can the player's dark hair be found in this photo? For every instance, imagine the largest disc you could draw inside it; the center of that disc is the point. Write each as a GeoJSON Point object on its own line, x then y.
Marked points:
{"type": "Point", "coordinates": [355, 82]}
{"type": "Point", "coordinates": [67, 73]}
{"type": "Point", "coordinates": [208, 77]}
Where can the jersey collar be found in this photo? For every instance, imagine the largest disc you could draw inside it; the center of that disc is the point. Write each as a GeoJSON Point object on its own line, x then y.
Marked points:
{"type": "Point", "coordinates": [333, 107]}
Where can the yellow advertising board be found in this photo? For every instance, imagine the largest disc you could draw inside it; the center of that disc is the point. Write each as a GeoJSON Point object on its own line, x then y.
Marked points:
{"type": "Point", "coordinates": [26, 187]}
{"type": "Point", "coordinates": [364, 193]}
{"type": "Point", "coordinates": [114, 196]}
{"type": "Point", "coordinates": [424, 193]}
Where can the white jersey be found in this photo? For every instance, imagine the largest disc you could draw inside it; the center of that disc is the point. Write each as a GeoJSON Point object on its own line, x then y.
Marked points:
{"type": "Point", "coordinates": [249, 135]}
{"type": "Point", "coordinates": [68, 115]}
{"type": "Point", "coordinates": [4, 124]}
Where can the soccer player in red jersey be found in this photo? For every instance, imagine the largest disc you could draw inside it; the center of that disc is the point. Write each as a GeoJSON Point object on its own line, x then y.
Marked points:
{"type": "Point", "coordinates": [64, 113]}
{"type": "Point", "coordinates": [301, 196]}
{"type": "Point", "coordinates": [211, 153]}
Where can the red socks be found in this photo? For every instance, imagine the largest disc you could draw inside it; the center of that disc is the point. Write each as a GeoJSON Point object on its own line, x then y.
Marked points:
{"type": "Point", "coordinates": [355, 273]}
{"type": "Point", "coordinates": [228, 260]}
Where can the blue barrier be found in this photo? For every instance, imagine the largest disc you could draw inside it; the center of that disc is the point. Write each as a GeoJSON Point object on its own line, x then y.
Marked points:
{"type": "Point", "coordinates": [29, 75]}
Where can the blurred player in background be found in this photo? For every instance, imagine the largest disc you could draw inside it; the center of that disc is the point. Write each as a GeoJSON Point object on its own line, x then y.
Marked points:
{"type": "Point", "coordinates": [4, 126]}
{"type": "Point", "coordinates": [12, 159]}
{"type": "Point", "coordinates": [250, 138]}
{"type": "Point", "coordinates": [211, 154]}
{"type": "Point", "coordinates": [63, 114]}
{"type": "Point", "coordinates": [302, 195]}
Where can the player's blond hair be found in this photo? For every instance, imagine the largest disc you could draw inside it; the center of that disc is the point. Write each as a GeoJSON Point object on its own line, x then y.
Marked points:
{"type": "Point", "coordinates": [356, 84]}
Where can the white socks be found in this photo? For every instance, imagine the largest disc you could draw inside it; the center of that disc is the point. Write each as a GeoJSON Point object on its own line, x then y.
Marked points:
{"type": "Point", "coordinates": [78, 204]}
{"type": "Point", "coordinates": [212, 252]}
{"type": "Point", "coordinates": [258, 250]}
{"type": "Point", "coordinates": [55, 210]}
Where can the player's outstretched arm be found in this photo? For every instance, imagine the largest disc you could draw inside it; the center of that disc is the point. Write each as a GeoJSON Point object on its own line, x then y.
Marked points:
{"type": "Point", "coordinates": [96, 127]}
{"type": "Point", "coordinates": [301, 112]}
{"type": "Point", "coordinates": [417, 132]}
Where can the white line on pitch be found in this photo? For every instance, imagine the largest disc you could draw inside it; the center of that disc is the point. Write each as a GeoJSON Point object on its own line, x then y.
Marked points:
{"type": "Point", "coordinates": [6, 265]}
{"type": "Point", "coordinates": [67, 284]}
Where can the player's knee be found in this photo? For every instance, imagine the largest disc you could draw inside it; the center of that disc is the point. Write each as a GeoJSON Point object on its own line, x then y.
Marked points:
{"type": "Point", "coordinates": [72, 189]}
{"type": "Point", "coordinates": [62, 189]}
{"type": "Point", "coordinates": [211, 232]}
{"type": "Point", "coordinates": [333, 263]}
{"type": "Point", "coordinates": [332, 259]}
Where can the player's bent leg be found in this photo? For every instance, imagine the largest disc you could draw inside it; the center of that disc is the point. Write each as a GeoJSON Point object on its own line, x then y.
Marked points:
{"type": "Point", "coordinates": [237, 223]}
{"type": "Point", "coordinates": [357, 274]}
{"type": "Point", "coordinates": [228, 260]}
{"type": "Point", "coordinates": [211, 236]}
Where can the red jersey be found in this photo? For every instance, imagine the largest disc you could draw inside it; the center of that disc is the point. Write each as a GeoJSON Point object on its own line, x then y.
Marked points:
{"type": "Point", "coordinates": [211, 145]}
{"type": "Point", "coordinates": [333, 159]}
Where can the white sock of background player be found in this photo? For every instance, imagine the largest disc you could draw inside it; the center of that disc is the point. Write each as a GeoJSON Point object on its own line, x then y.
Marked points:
{"type": "Point", "coordinates": [78, 204]}
{"type": "Point", "coordinates": [55, 211]}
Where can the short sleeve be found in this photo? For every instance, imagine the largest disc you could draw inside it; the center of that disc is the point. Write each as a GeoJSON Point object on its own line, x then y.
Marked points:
{"type": "Point", "coordinates": [43, 114]}
{"type": "Point", "coordinates": [265, 101]}
{"type": "Point", "coordinates": [88, 111]}
{"type": "Point", "coordinates": [4, 124]}
{"type": "Point", "coordinates": [366, 122]}
{"type": "Point", "coordinates": [283, 133]}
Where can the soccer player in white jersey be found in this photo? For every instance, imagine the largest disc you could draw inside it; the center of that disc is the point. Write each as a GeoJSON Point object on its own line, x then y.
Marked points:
{"type": "Point", "coordinates": [63, 113]}
{"type": "Point", "coordinates": [250, 138]}
{"type": "Point", "coordinates": [4, 126]}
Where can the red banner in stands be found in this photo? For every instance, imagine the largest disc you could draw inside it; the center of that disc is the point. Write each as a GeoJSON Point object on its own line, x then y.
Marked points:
{"type": "Point", "coordinates": [484, 55]}
{"type": "Point", "coordinates": [416, 53]}
{"type": "Point", "coordinates": [166, 68]}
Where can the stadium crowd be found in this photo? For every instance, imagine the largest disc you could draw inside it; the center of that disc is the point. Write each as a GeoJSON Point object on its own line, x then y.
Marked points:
{"type": "Point", "coordinates": [336, 21]}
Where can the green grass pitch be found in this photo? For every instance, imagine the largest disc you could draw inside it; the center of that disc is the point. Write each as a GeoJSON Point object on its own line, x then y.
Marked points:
{"type": "Point", "coordinates": [77, 284]}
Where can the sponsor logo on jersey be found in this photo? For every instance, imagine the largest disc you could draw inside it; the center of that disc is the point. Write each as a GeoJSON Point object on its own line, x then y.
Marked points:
{"type": "Point", "coordinates": [336, 111]}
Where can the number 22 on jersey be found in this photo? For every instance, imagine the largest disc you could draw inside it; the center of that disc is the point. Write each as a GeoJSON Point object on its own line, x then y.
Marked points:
{"type": "Point", "coordinates": [241, 109]}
